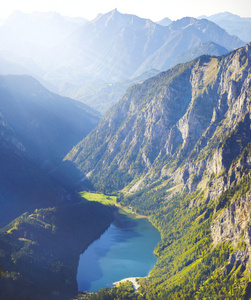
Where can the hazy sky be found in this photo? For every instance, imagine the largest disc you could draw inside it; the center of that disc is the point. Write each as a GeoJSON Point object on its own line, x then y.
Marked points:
{"type": "Point", "coordinates": [152, 9]}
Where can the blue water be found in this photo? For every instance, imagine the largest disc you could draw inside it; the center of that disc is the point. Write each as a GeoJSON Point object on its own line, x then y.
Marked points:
{"type": "Point", "coordinates": [124, 250]}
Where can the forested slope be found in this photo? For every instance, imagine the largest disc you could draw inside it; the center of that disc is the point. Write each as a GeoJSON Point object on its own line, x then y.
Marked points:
{"type": "Point", "coordinates": [177, 147]}
{"type": "Point", "coordinates": [44, 224]}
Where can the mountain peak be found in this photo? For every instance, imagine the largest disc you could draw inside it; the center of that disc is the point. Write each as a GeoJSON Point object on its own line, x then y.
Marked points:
{"type": "Point", "coordinates": [113, 13]}
{"type": "Point", "coordinates": [227, 14]}
{"type": "Point", "coordinates": [108, 14]}
{"type": "Point", "coordinates": [116, 20]}
{"type": "Point", "coordinates": [164, 22]}
{"type": "Point", "coordinates": [182, 23]}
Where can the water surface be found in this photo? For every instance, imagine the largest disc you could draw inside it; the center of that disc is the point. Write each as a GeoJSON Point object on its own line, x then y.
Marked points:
{"type": "Point", "coordinates": [124, 250]}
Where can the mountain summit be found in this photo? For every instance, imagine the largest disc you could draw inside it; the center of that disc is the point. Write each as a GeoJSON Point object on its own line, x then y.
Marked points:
{"type": "Point", "coordinates": [116, 46]}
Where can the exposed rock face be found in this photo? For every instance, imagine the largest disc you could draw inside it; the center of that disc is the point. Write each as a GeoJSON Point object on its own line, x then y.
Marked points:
{"type": "Point", "coordinates": [191, 124]}
{"type": "Point", "coordinates": [180, 144]}
{"type": "Point", "coordinates": [181, 113]}
{"type": "Point", "coordinates": [233, 225]}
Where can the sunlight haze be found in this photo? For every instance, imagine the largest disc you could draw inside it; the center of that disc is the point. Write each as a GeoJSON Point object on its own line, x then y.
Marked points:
{"type": "Point", "coordinates": [154, 10]}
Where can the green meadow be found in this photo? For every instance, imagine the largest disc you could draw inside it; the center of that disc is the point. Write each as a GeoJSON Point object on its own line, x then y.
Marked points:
{"type": "Point", "coordinates": [108, 200]}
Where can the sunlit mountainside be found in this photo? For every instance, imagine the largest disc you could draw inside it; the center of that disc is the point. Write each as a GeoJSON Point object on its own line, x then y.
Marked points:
{"type": "Point", "coordinates": [82, 60]}
{"type": "Point", "coordinates": [177, 147]}
{"type": "Point", "coordinates": [173, 145]}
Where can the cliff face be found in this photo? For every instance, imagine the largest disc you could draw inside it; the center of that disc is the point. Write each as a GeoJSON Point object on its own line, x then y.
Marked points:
{"type": "Point", "coordinates": [233, 225]}
{"type": "Point", "coordinates": [179, 148]}
{"type": "Point", "coordinates": [179, 116]}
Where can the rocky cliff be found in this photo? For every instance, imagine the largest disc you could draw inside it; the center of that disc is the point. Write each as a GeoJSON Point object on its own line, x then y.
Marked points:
{"type": "Point", "coordinates": [178, 117]}
{"type": "Point", "coordinates": [178, 146]}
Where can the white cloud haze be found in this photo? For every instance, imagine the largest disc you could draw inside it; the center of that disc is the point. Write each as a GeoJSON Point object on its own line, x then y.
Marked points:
{"type": "Point", "coordinates": [152, 9]}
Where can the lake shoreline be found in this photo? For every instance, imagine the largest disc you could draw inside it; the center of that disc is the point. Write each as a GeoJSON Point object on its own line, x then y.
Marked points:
{"type": "Point", "coordinates": [121, 245]}
{"type": "Point", "coordinates": [112, 202]}
{"type": "Point", "coordinates": [133, 280]}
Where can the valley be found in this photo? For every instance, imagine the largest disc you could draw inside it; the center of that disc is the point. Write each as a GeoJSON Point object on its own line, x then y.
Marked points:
{"type": "Point", "coordinates": [181, 178]}
{"type": "Point", "coordinates": [110, 201]}
{"type": "Point", "coordinates": [130, 161]}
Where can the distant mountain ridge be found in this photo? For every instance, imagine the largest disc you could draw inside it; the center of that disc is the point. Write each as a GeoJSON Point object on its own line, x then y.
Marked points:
{"type": "Point", "coordinates": [80, 60]}
{"type": "Point", "coordinates": [115, 47]}
{"type": "Point", "coordinates": [233, 24]}
{"type": "Point", "coordinates": [131, 45]}
{"type": "Point", "coordinates": [47, 125]}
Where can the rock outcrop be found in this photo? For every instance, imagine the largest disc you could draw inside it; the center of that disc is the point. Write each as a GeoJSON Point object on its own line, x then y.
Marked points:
{"type": "Point", "coordinates": [179, 147]}
{"type": "Point", "coordinates": [178, 117]}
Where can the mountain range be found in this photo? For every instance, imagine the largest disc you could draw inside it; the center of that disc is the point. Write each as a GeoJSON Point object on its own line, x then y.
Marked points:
{"type": "Point", "coordinates": [81, 59]}
{"type": "Point", "coordinates": [177, 147]}
{"type": "Point", "coordinates": [233, 24]}
{"type": "Point", "coordinates": [131, 46]}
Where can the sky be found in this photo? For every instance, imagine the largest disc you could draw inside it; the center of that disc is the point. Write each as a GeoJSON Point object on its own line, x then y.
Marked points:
{"type": "Point", "coordinates": [150, 9]}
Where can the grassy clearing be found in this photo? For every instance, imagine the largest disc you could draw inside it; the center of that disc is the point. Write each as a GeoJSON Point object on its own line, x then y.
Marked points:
{"type": "Point", "coordinates": [108, 200]}
{"type": "Point", "coordinates": [101, 198]}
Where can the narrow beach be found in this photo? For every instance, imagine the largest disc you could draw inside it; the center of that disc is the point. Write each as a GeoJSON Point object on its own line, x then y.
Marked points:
{"type": "Point", "coordinates": [133, 281]}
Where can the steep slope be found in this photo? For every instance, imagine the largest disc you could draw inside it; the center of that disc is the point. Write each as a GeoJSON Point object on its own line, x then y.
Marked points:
{"type": "Point", "coordinates": [178, 148]}
{"type": "Point", "coordinates": [23, 187]}
{"type": "Point", "coordinates": [47, 125]}
{"type": "Point", "coordinates": [44, 225]}
{"type": "Point", "coordinates": [37, 129]}
{"type": "Point", "coordinates": [208, 48]}
{"type": "Point", "coordinates": [185, 34]}
{"type": "Point", "coordinates": [160, 119]}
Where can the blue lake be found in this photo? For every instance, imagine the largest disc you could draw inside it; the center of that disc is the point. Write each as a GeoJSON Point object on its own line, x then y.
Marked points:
{"type": "Point", "coordinates": [124, 250]}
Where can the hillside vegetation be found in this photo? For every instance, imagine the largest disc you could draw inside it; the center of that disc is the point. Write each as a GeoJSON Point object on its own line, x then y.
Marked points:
{"type": "Point", "coordinates": [44, 224]}
{"type": "Point", "coordinates": [178, 147]}
{"type": "Point", "coordinates": [40, 251]}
